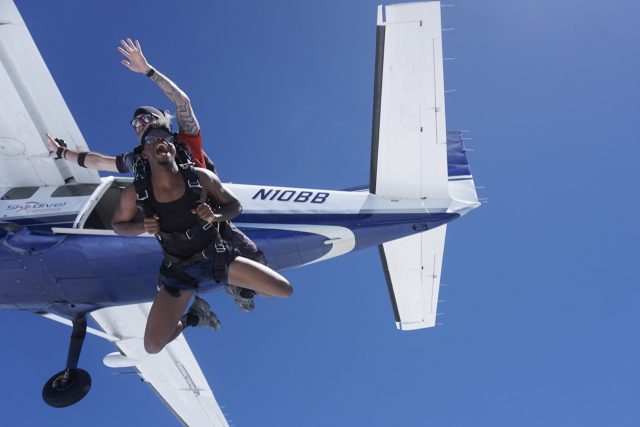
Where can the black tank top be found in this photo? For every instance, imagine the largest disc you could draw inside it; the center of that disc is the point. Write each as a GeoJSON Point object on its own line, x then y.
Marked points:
{"type": "Point", "coordinates": [175, 217]}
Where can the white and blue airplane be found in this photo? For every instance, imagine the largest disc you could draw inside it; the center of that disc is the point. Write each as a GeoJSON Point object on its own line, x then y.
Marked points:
{"type": "Point", "coordinates": [52, 210]}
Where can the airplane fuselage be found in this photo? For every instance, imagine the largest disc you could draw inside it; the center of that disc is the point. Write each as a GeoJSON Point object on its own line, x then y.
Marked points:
{"type": "Point", "coordinates": [82, 265]}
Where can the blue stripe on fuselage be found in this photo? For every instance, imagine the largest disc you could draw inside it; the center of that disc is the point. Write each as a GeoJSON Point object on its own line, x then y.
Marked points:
{"type": "Point", "coordinates": [368, 229]}
{"type": "Point", "coordinates": [44, 222]}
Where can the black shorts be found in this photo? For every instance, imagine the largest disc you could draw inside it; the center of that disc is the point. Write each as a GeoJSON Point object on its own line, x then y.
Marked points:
{"type": "Point", "coordinates": [202, 271]}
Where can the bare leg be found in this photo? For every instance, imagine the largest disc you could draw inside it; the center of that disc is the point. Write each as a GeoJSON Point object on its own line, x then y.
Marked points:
{"type": "Point", "coordinates": [250, 275]}
{"type": "Point", "coordinates": [163, 323]}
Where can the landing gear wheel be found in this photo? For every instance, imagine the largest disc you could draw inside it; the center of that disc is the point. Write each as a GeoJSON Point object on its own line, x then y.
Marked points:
{"type": "Point", "coordinates": [66, 388]}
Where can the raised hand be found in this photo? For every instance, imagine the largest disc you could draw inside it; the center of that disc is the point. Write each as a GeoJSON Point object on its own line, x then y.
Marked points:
{"type": "Point", "coordinates": [135, 59]}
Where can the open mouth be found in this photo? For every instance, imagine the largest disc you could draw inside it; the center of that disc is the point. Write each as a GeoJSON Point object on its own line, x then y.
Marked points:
{"type": "Point", "coordinates": [162, 149]}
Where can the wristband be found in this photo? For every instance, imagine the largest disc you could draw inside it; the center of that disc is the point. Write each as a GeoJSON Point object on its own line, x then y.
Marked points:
{"type": "Point", "coordinates": [81, 157]}
{"type": "Point", "coordinates": [150, 73]}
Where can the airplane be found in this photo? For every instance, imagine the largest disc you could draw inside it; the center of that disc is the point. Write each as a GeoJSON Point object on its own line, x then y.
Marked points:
{"type": "Point", "coordinates": [52, 210]}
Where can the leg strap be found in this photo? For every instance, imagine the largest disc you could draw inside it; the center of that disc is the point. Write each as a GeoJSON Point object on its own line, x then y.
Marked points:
{"type": "Point", "coordinates": [172, 270]}
{"type": "Point", "coordinates": [219, 266]}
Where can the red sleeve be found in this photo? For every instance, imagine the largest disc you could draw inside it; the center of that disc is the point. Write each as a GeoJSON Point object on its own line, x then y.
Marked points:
{"type": "Point", "coordinates": [194, 142]}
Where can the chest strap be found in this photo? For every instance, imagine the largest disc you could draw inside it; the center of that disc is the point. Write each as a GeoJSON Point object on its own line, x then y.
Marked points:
{"type": "Point", "coordinates": [191, 233]}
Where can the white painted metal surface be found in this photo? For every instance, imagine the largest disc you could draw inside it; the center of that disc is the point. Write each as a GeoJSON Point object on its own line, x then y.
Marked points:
{"type": "Point", "coordinates": [253, 200]}
{"type": "Point", "coordinates": [412, 154]}
{"type": "Point", "coordinates": [40, 205]}
{"type": "Point", "coordinates": [173, 373]}
{"type": "Point", "coordinates": [412, 149]}
{"type": "Point", "coordinates": [30, 105]}
{"type": "Point", "coordinates": [413, 265]}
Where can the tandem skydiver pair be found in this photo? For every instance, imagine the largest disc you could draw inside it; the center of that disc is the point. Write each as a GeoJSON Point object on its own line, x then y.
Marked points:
{"type": "Point", "coordinates": [186, 207]}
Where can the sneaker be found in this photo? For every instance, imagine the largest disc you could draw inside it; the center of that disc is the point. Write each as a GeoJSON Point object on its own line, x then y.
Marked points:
{"type": "Point", "coordinates": [243, 297]}
{"type": "Point", "coordinates": [202, 311]}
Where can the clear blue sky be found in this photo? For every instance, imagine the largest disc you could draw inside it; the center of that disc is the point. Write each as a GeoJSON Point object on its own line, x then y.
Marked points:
{"type": "Point", "coordinates": [541, 313]}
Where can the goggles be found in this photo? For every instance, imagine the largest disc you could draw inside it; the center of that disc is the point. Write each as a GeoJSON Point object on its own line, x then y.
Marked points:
{"type": "Point", "coordinates": [150, 139]}
{"type": "Point", "coordinates": [145, 118]}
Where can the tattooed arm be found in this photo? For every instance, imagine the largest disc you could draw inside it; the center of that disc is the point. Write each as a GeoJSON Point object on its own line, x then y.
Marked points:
{"type": "Point", "coordinates": [138, 63]}
{"type": "Point", "coordinates": [184, 113]}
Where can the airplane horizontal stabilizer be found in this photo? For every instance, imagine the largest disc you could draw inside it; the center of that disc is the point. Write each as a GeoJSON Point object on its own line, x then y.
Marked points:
{"type": "Point", "coordinates": [412, 268]}
{"type": "Point", "coordinates": [409, 138]}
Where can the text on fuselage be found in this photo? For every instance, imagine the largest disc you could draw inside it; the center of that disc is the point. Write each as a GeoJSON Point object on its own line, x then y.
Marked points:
{"type": "Point", "coordinates": [291, 196]}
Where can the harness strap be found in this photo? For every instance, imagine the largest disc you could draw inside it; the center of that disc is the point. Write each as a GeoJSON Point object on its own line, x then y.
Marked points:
{"type": "Point", "coordinates": [142, 183]}
{"type": "Point", "coordinates": [219, 264]}
{"type": "Point", "coordinates": [191, 233]}
{"type": "Point", "coordinates": [173, 264]}
{"type": "Point", "coordinates": [193, 185]}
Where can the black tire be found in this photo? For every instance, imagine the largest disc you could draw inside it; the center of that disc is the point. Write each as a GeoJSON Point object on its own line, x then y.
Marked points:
{"type": "Point", "coordinates": [60, 394]}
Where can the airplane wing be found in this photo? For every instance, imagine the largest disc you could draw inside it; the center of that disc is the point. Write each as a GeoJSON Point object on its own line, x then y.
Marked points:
{"type": "Point", "coordinates": [173, 373]}
{"type": "Point", "coordinates": [30, 105]}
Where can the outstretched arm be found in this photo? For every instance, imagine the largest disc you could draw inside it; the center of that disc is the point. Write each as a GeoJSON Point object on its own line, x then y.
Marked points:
{"type": "Point", "coordinates": [136, 62]}
{"type": "Point", "coordinates": [91, 161]}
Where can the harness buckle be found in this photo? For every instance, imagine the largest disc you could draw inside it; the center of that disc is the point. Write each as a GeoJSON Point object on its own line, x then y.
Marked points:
{"type": "Point", "coordinates": [144, 197]}
{"type": "Point", "coordinates": [193, 184]}
{"type": "Point", "coordinates": [207, 225]}
{"type": "Point", "coordinates": [220, 248]}
{"type": "Point", "coordinates": [204, 254]}
{"type": "Point", "coordinates": [188, 234]}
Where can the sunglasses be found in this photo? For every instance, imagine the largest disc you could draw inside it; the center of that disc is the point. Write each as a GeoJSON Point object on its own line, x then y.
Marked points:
{"type": "Point", "coordinates": [150, 139]}
{"type": "Point", "coordinates": [145, 118]}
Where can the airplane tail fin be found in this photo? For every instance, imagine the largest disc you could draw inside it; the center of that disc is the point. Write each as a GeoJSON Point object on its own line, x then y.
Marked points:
{"type": "Point", "coordinates": [412, 155]}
